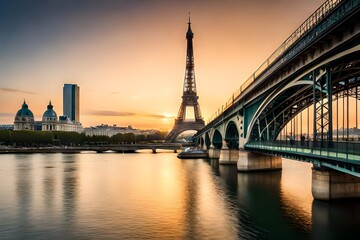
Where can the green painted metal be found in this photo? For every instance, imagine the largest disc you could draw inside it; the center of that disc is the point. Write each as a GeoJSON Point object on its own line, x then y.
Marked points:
{"type": "Point", "coordinates": [249, 112]}
{"type": "Point", "coordinates": [343, 162]}
{"type": "Point", "coordinates": [217, 140]}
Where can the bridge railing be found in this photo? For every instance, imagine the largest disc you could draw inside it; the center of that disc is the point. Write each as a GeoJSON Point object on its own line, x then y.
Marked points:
{"type": "Point", "coordinates": [307, 25]}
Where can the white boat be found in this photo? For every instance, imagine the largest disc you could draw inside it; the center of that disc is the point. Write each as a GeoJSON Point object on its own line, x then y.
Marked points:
{"type": "Point", "coordinates": [193, 153]}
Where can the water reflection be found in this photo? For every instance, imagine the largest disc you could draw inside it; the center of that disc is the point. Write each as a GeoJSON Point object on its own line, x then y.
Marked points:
{"type": "Point", "coordinates": [191, 180]}
{"type": "Point", "coordinates": [70, 191]}
{"type": "Point", "coordinates": [258, 194]}
{"type": "Point", "coordinates": [339, 220]}
{"type": "Point", "coordinates": [296, 195]}
{"type": "Point", "coordinates": [51, 198]}
{"type": "Point", "coordinates": [207, 203]}
{"type": "Point", "coordinates": [256, 197]}
{"type": "Point", "coordinates": [144, 196]}
{"type": "Point", "coordinates": [24, 186]}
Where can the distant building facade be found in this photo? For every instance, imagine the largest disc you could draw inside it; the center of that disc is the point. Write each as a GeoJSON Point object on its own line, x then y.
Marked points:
{"type": "Point", "coordinates": [106, 130]}
{"type": "Point", "coordinates": [71, 103]}
{"type": "Point", "coordinates": [7, 127]}
{"type": "Point", "coordinates": [24, 120]}
{"type": "Point", "coordinates": [49, 119]}
{"type": "Point", "coordinates": [66, 125]}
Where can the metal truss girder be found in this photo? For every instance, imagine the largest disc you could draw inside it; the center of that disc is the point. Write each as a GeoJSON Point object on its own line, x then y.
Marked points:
{"type": "Point", "coordinates": [285, 113]}
{"type": "Point", "coordinates": [343, 75]}
{"type": "Point", "coordinates": [322, 101]}
{"type": "Point", "coordinates": [340, 169]}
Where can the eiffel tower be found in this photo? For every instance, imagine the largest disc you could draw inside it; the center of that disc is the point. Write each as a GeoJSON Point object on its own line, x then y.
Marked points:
{"type": "Point", "coordinates": [189, 98]}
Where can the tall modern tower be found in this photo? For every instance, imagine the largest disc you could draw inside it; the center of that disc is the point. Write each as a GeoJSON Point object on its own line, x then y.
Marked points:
{"type": "Point", "coordinates": [71, 93]}
{"type": "Point", "coordinates": [189, 106]}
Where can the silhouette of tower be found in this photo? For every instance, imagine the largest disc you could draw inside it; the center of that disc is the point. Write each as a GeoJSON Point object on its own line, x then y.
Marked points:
{"type": "Point", "coordinates": [189, 98]}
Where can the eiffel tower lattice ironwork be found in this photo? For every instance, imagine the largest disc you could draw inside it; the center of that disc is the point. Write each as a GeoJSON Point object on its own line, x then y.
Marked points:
{"type": "Point", "coordinates": [189, 98]}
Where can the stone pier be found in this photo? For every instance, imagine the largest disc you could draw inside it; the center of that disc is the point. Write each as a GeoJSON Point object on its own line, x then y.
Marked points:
{"type": "Point", "coordinates": [329, 185]}
{"type": "Point", "coordinates": [228, 156]}
{"type": "Point", "coordinates": [214, 153]}
{"type": "Point", "coordinates": [249, 161]}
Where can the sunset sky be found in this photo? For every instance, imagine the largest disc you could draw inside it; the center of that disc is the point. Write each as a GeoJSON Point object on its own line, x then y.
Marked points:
{"type": "Point", "coordinates": [128, 57]}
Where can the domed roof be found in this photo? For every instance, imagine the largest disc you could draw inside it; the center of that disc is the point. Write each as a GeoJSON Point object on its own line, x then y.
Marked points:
{"type": "Point", "coordinates": [24, 112]}
{"type": "Point", "coordinates": [50, 113]}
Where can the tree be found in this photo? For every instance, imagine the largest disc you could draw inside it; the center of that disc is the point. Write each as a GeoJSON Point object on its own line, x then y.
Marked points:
{"type": "Point", "coordinates": [117, 139]}
{"type": "Point", "coordinates": [129, 137]}
{"type": "Point", "coordinates": [69, 138]}
{"type": "Point", "coordinates": [5, 136]}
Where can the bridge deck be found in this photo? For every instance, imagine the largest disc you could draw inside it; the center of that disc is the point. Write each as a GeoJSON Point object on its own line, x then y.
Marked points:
{"type": "Point", "coordinates": [310, 153]}
{"type": "Point", "coordinates": [343, 162]}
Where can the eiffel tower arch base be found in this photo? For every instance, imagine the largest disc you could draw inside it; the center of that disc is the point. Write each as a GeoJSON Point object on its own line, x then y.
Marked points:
{"type": "Point", "coordinates": [182, 126]}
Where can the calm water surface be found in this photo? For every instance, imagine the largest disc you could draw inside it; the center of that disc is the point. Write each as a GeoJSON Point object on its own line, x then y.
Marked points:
{"type": "Point", "coordinates": [157, 196]}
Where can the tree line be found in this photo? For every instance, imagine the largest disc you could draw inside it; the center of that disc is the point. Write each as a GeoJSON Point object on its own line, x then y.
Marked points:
{"type": "Point", "coordinates": [46, 138]}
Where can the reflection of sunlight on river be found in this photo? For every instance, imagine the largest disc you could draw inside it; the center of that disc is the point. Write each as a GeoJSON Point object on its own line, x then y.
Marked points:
{"type": "Point", "coordinates": [211, 204]}
{"type": "Point", "coordinates": [136, 193]}
{"type": "Point", "coordinates": [296, 191]}
{"type": "Point", "coordinates": [154, 192]}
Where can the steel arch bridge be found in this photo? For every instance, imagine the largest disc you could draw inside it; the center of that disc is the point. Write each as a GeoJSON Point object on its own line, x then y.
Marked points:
{"type": "Point", "coordinates": [303, 101]}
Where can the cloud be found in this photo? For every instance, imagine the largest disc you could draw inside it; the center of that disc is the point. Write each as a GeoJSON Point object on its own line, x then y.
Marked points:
{"type": "Point", "coordinates": [2, 114]}
{"type": "Point", "coordinates": [110, 113]}
{"type": "Point", "coordinates": [153, 115]}
{"type": "Point", "coordinates": [11, 90]}
{"type": "Point", "coordinates": [121, 114]}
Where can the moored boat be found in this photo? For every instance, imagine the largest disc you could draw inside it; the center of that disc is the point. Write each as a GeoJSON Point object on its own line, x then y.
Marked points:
{"type": "Point", "coordinates": [191, 153]}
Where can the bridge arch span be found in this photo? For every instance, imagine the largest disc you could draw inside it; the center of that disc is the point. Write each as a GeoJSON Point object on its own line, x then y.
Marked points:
{"type": "Point", "coordinates": [277, 109]}
{"type": "Point", "coordinates": [207, 140]}
{"type": "Point", "coordinates": [285, 103]}
{"type": "Point", "coordinates": [201, 141]}
{"type": "Point", "coordinates": [217, 139]}
{"type": "Point", "coordinates": [232, 135]}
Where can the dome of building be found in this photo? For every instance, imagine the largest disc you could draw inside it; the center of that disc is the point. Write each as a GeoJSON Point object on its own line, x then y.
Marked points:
{"type": "Point", "coordinates": [24, 118]}
{"type": "Point", "coordinates": [24, 113]}
{"type": "Point", "coordinates": [49, 114]}
{"type": "Point", "coordinates": [49, 119]}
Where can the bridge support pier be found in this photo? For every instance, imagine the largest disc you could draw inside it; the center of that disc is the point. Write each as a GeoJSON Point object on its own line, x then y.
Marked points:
{"type": "Point", "coordinates": [333, 185]}
{"type": "Point", "coordinates": [228, 156]}
{"type": "Point", "coordinates": [214, 153]}
{"type": "Point", "coordinates": [249, 161]}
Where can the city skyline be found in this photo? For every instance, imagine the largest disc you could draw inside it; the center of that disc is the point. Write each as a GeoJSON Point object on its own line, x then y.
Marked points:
{"type": "Point", "coordinates": [129, 58]}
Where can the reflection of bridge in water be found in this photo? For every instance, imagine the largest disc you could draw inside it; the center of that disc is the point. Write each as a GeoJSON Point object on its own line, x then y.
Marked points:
{"type": "Point", "coordinates": [301, 103]}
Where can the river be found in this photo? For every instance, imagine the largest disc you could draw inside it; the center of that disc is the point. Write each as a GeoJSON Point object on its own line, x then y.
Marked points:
{"type": "Point", "coordinates": [157, 196]}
